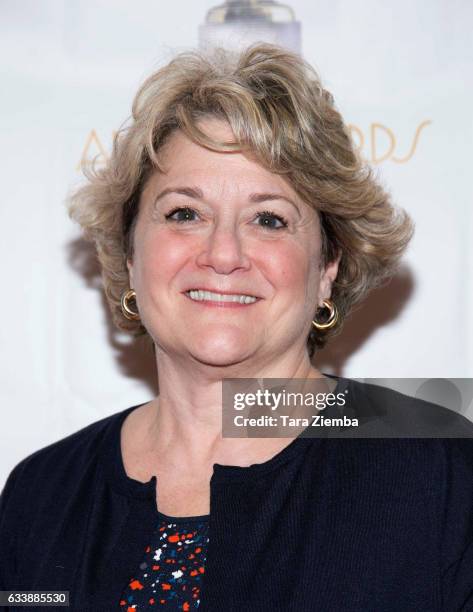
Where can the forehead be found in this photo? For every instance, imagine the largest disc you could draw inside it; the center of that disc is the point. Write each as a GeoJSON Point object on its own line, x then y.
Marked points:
{"type": "Point", "coordinates": [183, 159]}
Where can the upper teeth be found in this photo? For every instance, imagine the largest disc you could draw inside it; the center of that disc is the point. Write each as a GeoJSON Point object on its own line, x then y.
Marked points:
{"type": "Point", "coordinates": [198, 294]}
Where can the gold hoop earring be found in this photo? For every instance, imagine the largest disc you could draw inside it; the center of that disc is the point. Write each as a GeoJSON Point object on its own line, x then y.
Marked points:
{"type": "Point", "coordinates": [126, 310]}
{"type": "Point", "coordinates": [332, 319]}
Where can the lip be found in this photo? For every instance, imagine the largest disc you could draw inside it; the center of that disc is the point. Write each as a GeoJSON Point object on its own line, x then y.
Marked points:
{"type": "Point", "coordinates": [199, 288]}
{"type": "Point", "coordinates": [212, 304]}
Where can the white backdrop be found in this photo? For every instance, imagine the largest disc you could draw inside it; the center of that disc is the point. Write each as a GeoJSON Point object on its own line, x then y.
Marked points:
{"type": "Point", "coordinates": [401, 74]}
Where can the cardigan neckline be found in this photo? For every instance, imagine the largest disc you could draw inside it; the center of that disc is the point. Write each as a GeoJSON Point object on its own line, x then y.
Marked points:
{"type": "Point", "coordinates": [114, 469]}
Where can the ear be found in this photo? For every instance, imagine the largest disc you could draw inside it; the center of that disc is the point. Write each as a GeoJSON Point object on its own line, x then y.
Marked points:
{"type": "Point", "coordinates": [327, 278]}
{"type": "Point", "coordinates": [129, 265]}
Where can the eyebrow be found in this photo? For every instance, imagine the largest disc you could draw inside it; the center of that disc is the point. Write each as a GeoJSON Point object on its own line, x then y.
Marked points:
{"type": "Point", "coordinates": [190, 192]}
{"type": "Point", "coordinates": [197, 194]}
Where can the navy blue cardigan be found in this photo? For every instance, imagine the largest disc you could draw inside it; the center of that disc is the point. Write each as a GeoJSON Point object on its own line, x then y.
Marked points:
{"type": "Point", "coordinates": [327, 524]}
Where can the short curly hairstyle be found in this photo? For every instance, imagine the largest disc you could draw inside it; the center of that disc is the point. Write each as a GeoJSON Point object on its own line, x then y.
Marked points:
{"type": "Point", "coordinates": [278, 110]}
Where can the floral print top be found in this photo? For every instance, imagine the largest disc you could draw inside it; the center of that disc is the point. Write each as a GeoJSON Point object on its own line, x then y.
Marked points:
{"type": "Point", "coordinates": [170, 575]}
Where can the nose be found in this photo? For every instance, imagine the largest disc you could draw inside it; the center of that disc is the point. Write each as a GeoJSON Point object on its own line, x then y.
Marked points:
{"type": "Point", "coordinates": [223, 250]}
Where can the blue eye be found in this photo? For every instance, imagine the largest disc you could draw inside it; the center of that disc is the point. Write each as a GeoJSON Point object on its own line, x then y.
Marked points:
{"type": "Point", "coordinates": [269, 218]}
{"type": "Point", "coordinates": [184, 213]}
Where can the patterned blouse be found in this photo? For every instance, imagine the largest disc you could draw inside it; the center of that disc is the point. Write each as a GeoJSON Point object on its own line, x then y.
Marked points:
{"type": "Point", "coordinates": [170, 575]}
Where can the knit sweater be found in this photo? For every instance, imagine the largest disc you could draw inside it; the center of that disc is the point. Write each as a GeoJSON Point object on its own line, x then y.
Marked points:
{"type": "Point", "coordinates": [325, 525]}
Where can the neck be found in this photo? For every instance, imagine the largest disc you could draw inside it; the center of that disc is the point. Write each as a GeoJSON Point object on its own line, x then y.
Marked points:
{"type": "Point", "coordinates": [184, 422]}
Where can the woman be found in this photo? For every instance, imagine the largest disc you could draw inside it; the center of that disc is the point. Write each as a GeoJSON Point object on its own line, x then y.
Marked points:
{"type": "Point", "coordinates": [236, 228]}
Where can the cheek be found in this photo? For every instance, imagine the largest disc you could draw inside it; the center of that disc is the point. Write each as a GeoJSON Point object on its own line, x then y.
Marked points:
{"type": "Point", "coordinates": [291, 266]}
{"type": "Point", "coordinates": [158, 257]}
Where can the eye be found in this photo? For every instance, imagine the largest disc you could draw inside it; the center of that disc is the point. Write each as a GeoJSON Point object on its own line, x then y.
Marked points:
{"type": "Point", "coordinates": [181, 214]}
{"type": "Point", "coordinates": [269, 220]}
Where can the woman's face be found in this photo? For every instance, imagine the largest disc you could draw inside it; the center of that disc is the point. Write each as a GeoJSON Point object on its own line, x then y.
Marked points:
{"type": "Point", "coordinates": [221, 223]}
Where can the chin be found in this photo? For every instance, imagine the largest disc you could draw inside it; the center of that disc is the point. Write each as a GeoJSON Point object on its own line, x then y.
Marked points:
{"type": "Point", "coordinates": [223, 348]}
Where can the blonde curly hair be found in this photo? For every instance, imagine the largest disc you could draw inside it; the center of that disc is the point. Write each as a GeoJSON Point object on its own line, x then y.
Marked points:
{"type": "Point", "coordinates": [278, 110]}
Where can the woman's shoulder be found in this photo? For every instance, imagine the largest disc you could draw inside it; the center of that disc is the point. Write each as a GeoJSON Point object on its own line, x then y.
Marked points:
{"type": "Point", "coordinates": [386, 412]}
{"type": "Point", "coordinates": [51, 479]}
{"type": "Point", "coordinates": [65, 457]}
{"type": "Point", "coordinates": [405, 441]}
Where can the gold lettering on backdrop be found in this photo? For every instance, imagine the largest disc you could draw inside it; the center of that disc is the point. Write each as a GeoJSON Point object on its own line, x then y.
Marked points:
{"type": "Point", "coordinates": [379, 131]}
{"type": "Point", "coordinates": [359, 141]}
{"type": "Point", "coordinates": [375, 158]}
{"type": "Point", "coordinates": [376, 131]}
{"type": "Point", "coordinates": [413, 148]}
{"type": "Point", "coordinates": [92, 142]}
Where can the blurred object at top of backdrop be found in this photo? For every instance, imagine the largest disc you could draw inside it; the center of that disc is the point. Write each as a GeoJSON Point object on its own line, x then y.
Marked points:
{"type": "Point", "coordinates": [238, 23]}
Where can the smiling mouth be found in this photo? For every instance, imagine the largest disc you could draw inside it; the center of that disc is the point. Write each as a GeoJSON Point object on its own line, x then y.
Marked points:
{"type": "Point", "coordinates": [199, 295]}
